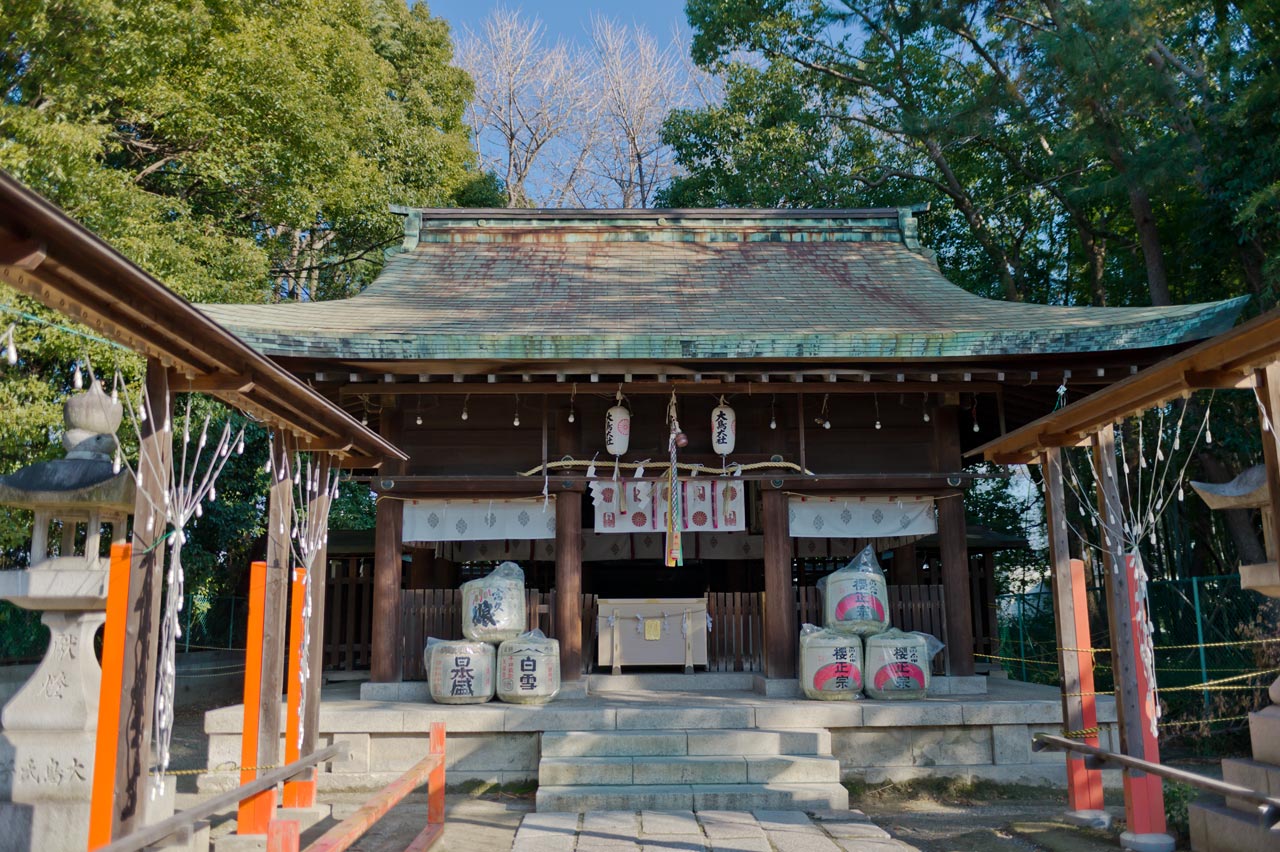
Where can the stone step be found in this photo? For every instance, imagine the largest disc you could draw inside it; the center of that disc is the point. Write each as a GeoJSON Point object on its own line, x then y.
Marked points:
{"type": "Point", "coordinates": [709, 742]}
{"type": "Point", "coordinates": [699, 797]}
{"type": "Point", "coordinates": [1254, 774]}
{"type": "Point", "coordinates": [672, 682]}
{"type": "Point", "coordinates": [1218, 828]}
{"type": "Point", "coordinates": [683, 769]}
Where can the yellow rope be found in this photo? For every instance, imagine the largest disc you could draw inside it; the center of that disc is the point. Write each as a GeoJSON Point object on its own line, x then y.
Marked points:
{"type": "Point", "coordinates": [221, 769]}
{"type": "Point", "coordinates": [1201, 722]}
{"type": "Point", "coordinates": [1082, 734]}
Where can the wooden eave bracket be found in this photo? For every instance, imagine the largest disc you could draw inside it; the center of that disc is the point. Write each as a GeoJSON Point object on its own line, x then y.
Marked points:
{"type": "Point", "coordinates": [216, 383]}
{"type": "Point", "coordinates": [1220, 379]}
{"type": "Point", "coordinates": [24, 253]}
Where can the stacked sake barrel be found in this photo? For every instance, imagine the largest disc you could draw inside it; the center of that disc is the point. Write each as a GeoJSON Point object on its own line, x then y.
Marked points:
{"type": "Point", "coordinates": [525, 669]}
{"type": "Point", "coordinates": [856, 650]}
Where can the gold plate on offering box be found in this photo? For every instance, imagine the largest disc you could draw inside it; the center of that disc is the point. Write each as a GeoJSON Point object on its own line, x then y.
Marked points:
{"type": "Point", "coordinates": [652, 629]}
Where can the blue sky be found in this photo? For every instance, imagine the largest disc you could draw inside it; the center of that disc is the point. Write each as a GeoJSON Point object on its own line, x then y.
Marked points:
{"type": "Point", "coordinates": [569, 18]}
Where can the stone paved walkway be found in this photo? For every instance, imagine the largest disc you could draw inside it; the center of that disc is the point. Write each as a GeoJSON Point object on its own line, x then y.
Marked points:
{"type": "Point", "coordinates": [704, 831]}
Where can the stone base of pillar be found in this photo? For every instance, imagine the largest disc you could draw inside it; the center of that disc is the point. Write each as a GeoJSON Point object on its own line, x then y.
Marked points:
{"type": "Point", "coordinates": [1100, 820]}
{"type": "Point", "coordinates": [1146, 842]}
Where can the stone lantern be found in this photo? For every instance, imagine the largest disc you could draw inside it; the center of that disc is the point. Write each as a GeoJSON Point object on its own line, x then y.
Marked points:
{"type": "Point", "coordinates": [48, 729]}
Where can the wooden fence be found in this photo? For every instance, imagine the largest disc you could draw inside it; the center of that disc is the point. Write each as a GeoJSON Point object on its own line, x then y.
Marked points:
{"type": "Point", "coordinates": [735, 642]}
{"type": "Point", "coordinates": [348, 613]}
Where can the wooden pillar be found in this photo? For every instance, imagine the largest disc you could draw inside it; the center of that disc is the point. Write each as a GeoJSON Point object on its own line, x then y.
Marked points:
{"type": "Point", "coordinates": [279, 560]}
{"type": "Point", "coordinates": [1071, 620]}
{"type": "Point", "coordinates": [387, 658]}
{"type": "Point", "coordinates": [568, 614]}
{"type": "Point", "coordinates": [953, 546]}
{"type": "Point", "coordinates": [142, 631]}
{"type": "Point", "coordinates": [903, 570]}
{"type": "Point", "coordinates": [781, 638]}
{"type": "Point", "coordinates": [1135, 700]}
{"type": "Point", "coordinates": [1269, 391]}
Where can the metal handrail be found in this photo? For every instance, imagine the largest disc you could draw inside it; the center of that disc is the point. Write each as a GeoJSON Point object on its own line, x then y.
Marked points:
{"type": "Point", "coordinates": [151, 834]}
{"type": "Point", "coordinates": [1097, 758]}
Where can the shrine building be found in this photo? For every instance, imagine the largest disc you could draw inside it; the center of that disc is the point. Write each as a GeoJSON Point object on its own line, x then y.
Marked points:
{"type": "Point", "coordinates": [496, 344]}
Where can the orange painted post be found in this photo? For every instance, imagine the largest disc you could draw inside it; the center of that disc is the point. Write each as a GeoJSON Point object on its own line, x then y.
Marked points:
{"type": "Point", "coordinates": [435, 781]}
{"type": "Point", "coordinates": [283, 835]}
{"type": "Point", "coordinates": [299, 793]}
{"type": "Point", "coordinates": [255, 812]}
{"type": "Point", "coordinates": [1084, 786]}
{"type": "Point", "coordinates": [102, 795]}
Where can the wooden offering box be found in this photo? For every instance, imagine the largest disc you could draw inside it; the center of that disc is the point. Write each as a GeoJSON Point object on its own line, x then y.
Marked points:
{"type": "Point", "coordinates": [652, 632]}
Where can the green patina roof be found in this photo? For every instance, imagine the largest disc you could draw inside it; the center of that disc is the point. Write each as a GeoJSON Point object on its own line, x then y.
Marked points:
{"type": "Point", "coordinates": [568, 285]}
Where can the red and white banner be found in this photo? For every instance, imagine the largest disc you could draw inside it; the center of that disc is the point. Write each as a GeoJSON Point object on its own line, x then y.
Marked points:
{"type": "Point", "coordinates": [706, 505]}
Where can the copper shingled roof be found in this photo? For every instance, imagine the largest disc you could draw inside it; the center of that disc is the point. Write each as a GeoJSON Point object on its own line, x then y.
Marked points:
{"type": "Point", "coordinates": [685, 284]}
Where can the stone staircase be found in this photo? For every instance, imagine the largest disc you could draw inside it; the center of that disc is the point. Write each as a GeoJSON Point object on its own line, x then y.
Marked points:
{"type": "Point", "coordinates": [1232, 825]}
{"type": "Point", "coordinates": [700, 770]}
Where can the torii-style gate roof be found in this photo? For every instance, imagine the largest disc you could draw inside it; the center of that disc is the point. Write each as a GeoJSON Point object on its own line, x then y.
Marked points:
{"type": "Point", "coordinates": [52, 258]}
{"type": "Point", "coordinates": [726, 285]}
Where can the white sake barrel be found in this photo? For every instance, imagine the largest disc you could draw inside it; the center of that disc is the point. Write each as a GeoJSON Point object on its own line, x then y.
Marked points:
{"type": "Point", "coordinates": [528, 669]}
{"type": "Point", "coordinates": [493, 607]}
{"type": "Point", "coordinates": [856, 602]}
{"type": "Point", "coordinates": [830, 664]}
{"type": "Point", "coordinates": [897, 665]}
{"type": "Point", "coordinates": [460, 672]}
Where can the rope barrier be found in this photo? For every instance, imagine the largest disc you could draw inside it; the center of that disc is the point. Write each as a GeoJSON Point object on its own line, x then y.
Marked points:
{"type": "Point", "coordinates": [221, 769]}
{"type": "Point", "coordinates": [1202, 721]}
{"type": "Point", "coordinates": [660, 465]}
{"type": "Point", "coordinates": [1083, 733]}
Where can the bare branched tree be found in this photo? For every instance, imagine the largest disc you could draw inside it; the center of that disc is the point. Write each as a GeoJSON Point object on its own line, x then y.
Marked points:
{"type": "Point", "coordinates": [573, 127]}
{"type": "Point", "coordinates": [528, 97]}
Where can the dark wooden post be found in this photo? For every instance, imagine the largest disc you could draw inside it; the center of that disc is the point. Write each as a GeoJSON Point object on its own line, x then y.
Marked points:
{"type": "Point", "coordinates": [387, 663]}
{"type": "Point", "coordinates": [903, 570]}
{"type": "Point", "coordinates": [780, 631]}
{"type": "Point", "coordinates": [1071, 619]}
{"type": "Point", "coordinates": [953, 546]}
{"type": "Point", "coordinates": [142, 630]}
{"type": "Point", "coordinates": [280, 560]}
{"type": "Point", "coordinates": [1135, 702]}
{"type": "Point", "coordinates": [1269, 391]}
{"type": "Point", "coordinates": [568, 614]}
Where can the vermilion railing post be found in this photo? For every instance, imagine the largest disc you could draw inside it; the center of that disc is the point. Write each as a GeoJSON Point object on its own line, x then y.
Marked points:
{"type": "Point", "coordinates": [283, 835]}
{"type": "Point", "coordinates": [300, 793]}
{"type": "Point", "coordinates": [102, 794]}
{"type": "Point", "coordinates": [435, 782]}
{"type": "Point", "coordinates": [255, 812]}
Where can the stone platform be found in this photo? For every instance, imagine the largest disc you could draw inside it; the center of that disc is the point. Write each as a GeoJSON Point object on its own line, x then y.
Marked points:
{"type": "Point", "coordinates": [985, 736]}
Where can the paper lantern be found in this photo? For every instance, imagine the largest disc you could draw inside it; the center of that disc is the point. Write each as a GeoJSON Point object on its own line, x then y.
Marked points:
{"type": "Point", "coordinates": [724, 428]}
{"type": "Point", "coordinates": [617, 430]}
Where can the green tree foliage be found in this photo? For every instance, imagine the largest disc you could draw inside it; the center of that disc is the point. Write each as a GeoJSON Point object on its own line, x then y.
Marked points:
{"type": "Point", "coordinates": [1072, 150]}
{"type": "Point", "coordinates": [1073, 153]}
{"type": "Point", "coordinates": [239, 151]}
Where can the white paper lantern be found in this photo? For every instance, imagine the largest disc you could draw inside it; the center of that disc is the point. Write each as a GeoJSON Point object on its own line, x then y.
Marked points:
{"type": "Point", "coordinates": [617, 430]}
{"type": "Point", "coordinates": [724, 428]}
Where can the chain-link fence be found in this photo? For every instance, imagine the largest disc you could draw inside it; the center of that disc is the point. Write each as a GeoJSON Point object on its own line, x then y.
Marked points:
{"type": "Point", "coordinates": [1207, 629]}
{"type": "Point", "coordinates": [208, 624]}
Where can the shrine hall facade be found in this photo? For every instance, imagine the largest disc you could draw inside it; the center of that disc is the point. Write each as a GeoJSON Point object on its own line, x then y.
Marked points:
{"type": "Point", "coordinates": [495, 342]}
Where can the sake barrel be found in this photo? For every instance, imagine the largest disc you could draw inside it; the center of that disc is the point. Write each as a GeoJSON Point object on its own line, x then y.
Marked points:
{"type": "Point", "coordinates": [856, 602]}
{"type": "Point", "coordinates": [529, 669]}
{"type": "Point", "coordinates": [897, 665]}
{"type": "Point", "coordinates": [493, 607]}
{"type": "Point", "coordinates": [830, 664]}
{"type": "Point", "coordinates": [460, 672]}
